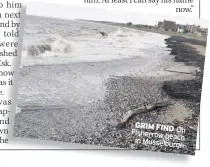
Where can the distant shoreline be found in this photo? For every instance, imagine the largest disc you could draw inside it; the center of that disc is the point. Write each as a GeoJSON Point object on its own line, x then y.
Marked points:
{"type": "Point", "coordinates": [159, 31]}
{"type": "Point", "coordinates": [200, 45]}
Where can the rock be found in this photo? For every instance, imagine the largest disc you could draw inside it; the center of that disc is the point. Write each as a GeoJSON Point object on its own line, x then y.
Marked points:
{"type": "Point", "coordinates": [103, 33]}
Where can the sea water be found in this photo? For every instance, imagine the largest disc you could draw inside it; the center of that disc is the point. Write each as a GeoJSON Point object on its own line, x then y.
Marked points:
{"type": "Point", "coordinates": [56, 41]}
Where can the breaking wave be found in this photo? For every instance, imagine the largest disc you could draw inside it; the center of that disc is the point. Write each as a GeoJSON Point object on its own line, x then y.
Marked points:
{"type": "Point", "coordinates": [59, 45]}
{"type": "Point", "coordinates": [130, 34]}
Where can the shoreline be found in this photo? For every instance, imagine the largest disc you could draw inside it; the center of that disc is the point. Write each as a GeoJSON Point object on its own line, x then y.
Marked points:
{"type": "Point", "coordinates": [122, 93]}
{"type": "Point", "coordinates": [188, 90]}
{"type": "Point", "coordinates": [202, 38]}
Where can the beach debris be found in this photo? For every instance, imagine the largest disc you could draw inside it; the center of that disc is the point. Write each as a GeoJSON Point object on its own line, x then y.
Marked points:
{"type": "Point", "coordinates": [103, 34]}
{"type": "Point", "coordinates": [146, 108]}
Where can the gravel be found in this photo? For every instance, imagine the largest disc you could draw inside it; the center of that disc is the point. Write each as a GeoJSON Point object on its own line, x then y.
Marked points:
{"type": "Point", "coordinates": [121, 86]}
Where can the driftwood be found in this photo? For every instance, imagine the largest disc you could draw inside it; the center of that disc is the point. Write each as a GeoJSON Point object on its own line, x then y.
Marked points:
{"type": "Point", "coordinates": [145, 108]}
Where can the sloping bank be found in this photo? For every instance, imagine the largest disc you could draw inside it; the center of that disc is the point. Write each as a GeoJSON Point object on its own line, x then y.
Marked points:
{"type": "Point", "coordinates": [187, 90]}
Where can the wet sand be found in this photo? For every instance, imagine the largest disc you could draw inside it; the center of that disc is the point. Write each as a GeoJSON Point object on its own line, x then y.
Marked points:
{"type": "Point", "coordinates": [83, 102]}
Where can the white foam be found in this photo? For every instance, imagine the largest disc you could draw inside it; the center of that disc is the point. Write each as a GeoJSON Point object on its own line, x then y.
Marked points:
{"type": "Point", "coordinates": [61, 45]}
{"type": "Point", "coordinates": [121, 43]}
